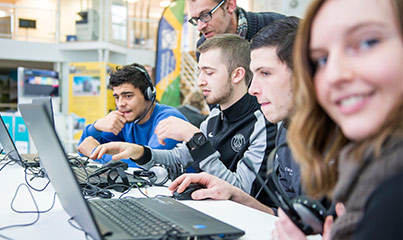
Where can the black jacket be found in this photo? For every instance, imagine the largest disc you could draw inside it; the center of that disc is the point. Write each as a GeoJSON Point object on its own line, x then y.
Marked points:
{"type": "Point", "coordinates": [256, 21]}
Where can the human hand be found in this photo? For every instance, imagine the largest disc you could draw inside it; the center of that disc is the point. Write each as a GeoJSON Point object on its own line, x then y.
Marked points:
{"type": "Point", "coordinates": [118, 150]}
{"type": "Point", "coordinates": [327, 226]}
{"type": "Point", "coordinates": [113, 122]}
{"type": "Point", "coordinates": [215, 188]}
{"type": "Point", "coordinates": [175, 128]}
{"type": "Point", "coordinates": [285, 229]}
{"type": "Point", "coordinates": [87, 146]}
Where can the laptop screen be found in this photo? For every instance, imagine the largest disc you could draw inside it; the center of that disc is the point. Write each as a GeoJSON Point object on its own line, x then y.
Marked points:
{"type": "Point", "coordinates": [55, 161]}
{"type": "Point", "coordinates": [7, 143]}
{"type": "Point", "coordinates": [47, 102]}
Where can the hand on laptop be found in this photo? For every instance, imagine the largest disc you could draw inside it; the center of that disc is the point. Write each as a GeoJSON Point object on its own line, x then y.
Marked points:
{"type": "Point", "coordinates": [175, 128]}
{"type": "Point", "coordinates": [87, 146]}
{"type": "Point", "coordinates": [215, 188]}
{"type": "Point", "coordinates": [113, 122]}
{"type": "Point", "coordinates": [118, 150]}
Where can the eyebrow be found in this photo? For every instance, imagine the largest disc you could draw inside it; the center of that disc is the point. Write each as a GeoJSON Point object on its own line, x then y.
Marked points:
{"type": "Point", "coordinates": [123, 93]}
{"type": "Point", "coordinates": [351, 30]}
{"type": "Point", "coordinates": [206, 68]}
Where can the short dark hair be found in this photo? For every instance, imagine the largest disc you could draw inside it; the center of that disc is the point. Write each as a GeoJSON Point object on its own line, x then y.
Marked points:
{"type": "Point", "coordinates": [234, 50]}
{"type": "Point", "coordinates": [281, 35]}
{"type": "Point", "coordinates": [129, 74]}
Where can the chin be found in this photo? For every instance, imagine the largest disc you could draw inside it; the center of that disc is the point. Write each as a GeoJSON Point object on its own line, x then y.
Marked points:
{"type": "Point", "coordinates": [357, 134]}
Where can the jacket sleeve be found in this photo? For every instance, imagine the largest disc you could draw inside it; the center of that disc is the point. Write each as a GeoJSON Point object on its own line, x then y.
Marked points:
{"type": "Point", "coordinates": [175, 159]}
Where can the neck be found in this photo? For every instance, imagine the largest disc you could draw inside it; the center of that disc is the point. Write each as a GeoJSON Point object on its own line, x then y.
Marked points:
{"type": "Point", "coordinates": [233, 28]}
{"type": "Point", "coordinates": [236, 94]}
{"type": "Point", "coordinates": [149, 111]}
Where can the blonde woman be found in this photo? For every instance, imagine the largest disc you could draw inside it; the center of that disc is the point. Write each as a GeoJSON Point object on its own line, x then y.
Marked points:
{"type": "Point", "coordinates": [347, 131]}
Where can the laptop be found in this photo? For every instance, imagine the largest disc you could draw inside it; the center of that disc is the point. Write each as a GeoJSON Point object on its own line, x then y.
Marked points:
{"type": "Point", "coordinates": [47, 102]}
{"type": "Point", "coordinates": [96, 217]}
{"type": "Point", "coordinates": [25, 160]}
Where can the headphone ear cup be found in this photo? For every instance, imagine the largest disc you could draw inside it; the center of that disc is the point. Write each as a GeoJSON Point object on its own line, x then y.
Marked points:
{"type": "Point", "coordinates": [311, 212]}
{"type": "Point", "coordinates": [149, 94]}
{"type": "Point", "coordinates": [161, 174]}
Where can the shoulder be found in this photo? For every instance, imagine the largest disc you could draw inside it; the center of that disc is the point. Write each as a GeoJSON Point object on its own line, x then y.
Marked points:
{"type": "Point", "coordinates": [258, 20]}
{"type": "Point", "coordinates": [164, 111]}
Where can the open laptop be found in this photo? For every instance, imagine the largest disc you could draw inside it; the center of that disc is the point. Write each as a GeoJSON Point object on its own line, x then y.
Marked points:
{"type": "Point", "coordinates": [9, 148]}
{"type": "Point", "coordinates": [25, 159]}
{"type": "Point", "coordinates": [95, 216]}
{"type": "Point", "coordinates": [47, 102]}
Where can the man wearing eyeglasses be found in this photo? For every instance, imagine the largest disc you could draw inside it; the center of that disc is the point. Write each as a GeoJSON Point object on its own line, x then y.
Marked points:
{"type": "Point", "coordinates": [213, 17]}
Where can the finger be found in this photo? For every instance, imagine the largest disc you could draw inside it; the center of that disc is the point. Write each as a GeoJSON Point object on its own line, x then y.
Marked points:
{"type": "Point", "coordinates": [116, 130]}
{"type": "Point", "coordinates": [122, 119]}
{"type": "Point", "coordinates": [94, 154]}
{"type": "Point", "coordinates": [117, 112]}
{"type": "Point", "coordinates": [340, 209]}
{"type": "Point", "coordinates": [118, 124]}
{"type": "Point", "coordinates": [327, 226]}
{"type": "Point", "coordinates": [174, 185]}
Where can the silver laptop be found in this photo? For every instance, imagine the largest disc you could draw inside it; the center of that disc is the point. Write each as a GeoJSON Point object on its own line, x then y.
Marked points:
{"type": "Point", "coordinates": [116, 218]}
{"type": "Point", "coordinates": [9, 148]}
{"type": "Point", "coordinates": [25, 159]}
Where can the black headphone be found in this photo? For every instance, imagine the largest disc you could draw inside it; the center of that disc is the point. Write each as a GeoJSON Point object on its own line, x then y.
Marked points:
{"type": "Point", "coordinates": [159, 174]}
{"type": "Point", "coordinates": [306, 213]}
{"type": "Point", "coordinates": [150, 92]}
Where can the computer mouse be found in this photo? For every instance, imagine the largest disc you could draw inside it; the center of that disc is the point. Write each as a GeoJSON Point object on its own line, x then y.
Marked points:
{"type": "Point", "coordinates": [187, 193]}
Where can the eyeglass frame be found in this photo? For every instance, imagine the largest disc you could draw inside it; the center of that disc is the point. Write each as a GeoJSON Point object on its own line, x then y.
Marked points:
{"type": "Point", "coordinates": [194, 20]}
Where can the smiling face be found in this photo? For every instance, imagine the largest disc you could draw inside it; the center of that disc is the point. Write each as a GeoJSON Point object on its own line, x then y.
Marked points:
{"type": "Point", "coordinates": [130, 101]}
{"type": "Point", "coordinates": [358, 52]}
{"type": "Point", "coordinates": [221, 19]}
{"type": "Point", "coordinates": [214, 80]}
{"type": "Point", "coordinates": [271, 84]}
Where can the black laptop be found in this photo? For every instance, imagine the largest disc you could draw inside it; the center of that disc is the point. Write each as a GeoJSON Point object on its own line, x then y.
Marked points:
{"type": "Point", "coordinates": [127, 218]}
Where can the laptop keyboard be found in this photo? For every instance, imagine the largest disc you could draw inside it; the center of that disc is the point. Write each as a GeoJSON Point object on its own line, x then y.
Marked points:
{"type": "Point", "coordinates": [135, 219]}
{"type": "Point", "coordinates": [83, 173]}
{"type": "Point", "coordinates": [30, 157]}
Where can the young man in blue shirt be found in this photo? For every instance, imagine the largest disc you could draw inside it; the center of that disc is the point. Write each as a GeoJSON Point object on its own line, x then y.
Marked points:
{"type": "Point", "coordinates": [136, 116]}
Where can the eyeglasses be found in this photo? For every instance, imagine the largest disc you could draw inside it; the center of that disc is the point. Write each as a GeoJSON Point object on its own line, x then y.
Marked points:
{"type": "Point", "coordinates": [205, 17]}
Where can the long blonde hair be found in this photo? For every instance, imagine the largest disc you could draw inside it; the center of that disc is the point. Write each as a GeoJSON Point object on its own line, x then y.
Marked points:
{"type": "Point", "coordinates": [313, 136]}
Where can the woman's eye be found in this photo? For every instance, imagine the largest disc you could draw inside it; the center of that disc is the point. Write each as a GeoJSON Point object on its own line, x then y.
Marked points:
{"type": "Point", "coordinates": [368, 43]}
{"type": "Point", "coordinates": [320, 62]}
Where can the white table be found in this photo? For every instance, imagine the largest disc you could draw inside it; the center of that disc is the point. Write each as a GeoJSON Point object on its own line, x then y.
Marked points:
{"type": "Point", "coordinates": [54, 224]}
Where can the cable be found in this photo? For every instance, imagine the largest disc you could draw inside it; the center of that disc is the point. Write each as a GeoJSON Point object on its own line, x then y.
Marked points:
{"type": "Point", "coordinates": [2, 236]}
{"type": "Point", "coordinates": [10, 161]}
{"type": "Point", "coordinates": [26, 181]}
{"type": "Point", "coordinates": [36, 206]}
{"type": "Point", "coordinates": [43, 211]}
{"type": "Point", "coordinates": [70, 220]}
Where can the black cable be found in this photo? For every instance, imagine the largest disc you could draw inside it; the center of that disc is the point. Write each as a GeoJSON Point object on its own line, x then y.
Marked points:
{"type": "Point", "coordinates": [26, 181]}
{"type": "Point", "coordinates": [36, 206]}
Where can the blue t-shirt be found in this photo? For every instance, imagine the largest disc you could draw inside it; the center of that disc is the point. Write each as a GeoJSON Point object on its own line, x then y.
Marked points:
{"type": "Point", "coordinates": [142, 134]}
